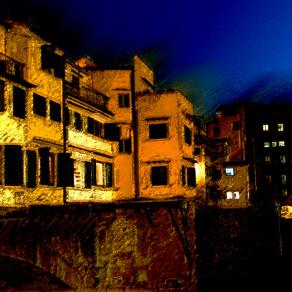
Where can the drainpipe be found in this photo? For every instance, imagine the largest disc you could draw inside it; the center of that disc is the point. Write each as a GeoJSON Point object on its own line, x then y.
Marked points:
{"type": "Point", "coordinates": [64, 125]}
{"type": "Point", "coordinates": [135, 131]}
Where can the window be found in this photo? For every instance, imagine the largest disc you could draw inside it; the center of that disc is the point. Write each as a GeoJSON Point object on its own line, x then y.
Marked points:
{"type": "Point", "coordinates": [268, 179]}
{"type": "Point", "coordinates": [39, 105]}
{"type": "Point", "coordinates": [280, 127]}
{"type": "Point", "coordinates": [188, 176]}
{"type": "Point", "coordinates": [266, 144]}
{"type": "Point", "coordinates": [283, 179]}
{"type": "Point", "coordinates": [52, 61]}
{"type": "Point", "coordinates": [188, 135]}
{"type": "Point", "coordinates": [283, 159]}
{"type": "Point", "coordinates": [229, 196]}
{"type": "Point", "coordinates": [281, 143]}
{"type": "Point", "coordinates": [78, 125]}
{"type": "Point", "coordinates": [229, 171]}
{"type": "Point", "coordinates": [111, 132]}
{"type": "Point", "coordinates": [265, 127]}
{"type": "Point", "coordinates": [108, 174]}
{"type": "Point", "coordinates": [67, 116]}
{"type": "Point", "coordinates": [285, 192]}
{"type": "Point", "coordinates": [125, 146]}
{"type": "Point", "coordinates": [19, 102]}
{"type": "Point", "coordinates": [31, 169]}
{"type": "Point", "coordinates": [124, 100]}
{"type": "Point", "coordinates": [99, 173]}
{"type": "Point", "coordinates": [274, 144]}
{"type": "Point", "coordinates": [13, 165]}
{"type": "Point", "coordinates": [55, 111]}
{"type": "Point", "coordinates": [87, 174]}
{"type": "Point", "coordinates": [236, 126]}
{"type": "Point", "coordinates": [158, 131]}
{"type": "Point", "coordinates": [94, 127]}
{"type": "Point", "coordinates": [65, 172]}
{"type": "Point", "coordinates": [159, 175]}
{"type": "Point", "coordinates": [232, 195]}
{"type": "Point", "coordinates": [197, 151]}
{"type": "Point", "coordinates": [267, 159]}
{"type": "Point", "coordinates": [2, 96]}
{"type": "Point", "coordinates": [217, 131]}
{"type": "Point", "coordinates": [191, 173]}
{"type": "Point", "coordinates": [47, 167]}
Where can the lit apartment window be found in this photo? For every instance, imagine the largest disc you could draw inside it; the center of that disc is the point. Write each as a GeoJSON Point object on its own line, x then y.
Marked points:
{"type": "Point", "coordinates": [236, 195]}
{"type": "Point", "coordinates": [78, 123]}
{"type": "Point", "coordinates": [266, 144]}
{"type": "Point", "coordinates": [280, 127]}
{"type": "Point", "coordinates": [274, 144]}
{"type": "Point", "coordinates": [13, 165]}
{"type": "Point", "coordinates": [124, 100]}
{"type": "Point", "coordinates": [39, 105]}
{"type": "Point", "coordinates": [268, 179]}
{"type": "Point", "coordinates": [229, 195]}
{"type": "Point", "coordinates": [2, 96]}
{"type": "Point", "coordinates": [283, 179]}
{"type": "Point", "coordinates": [268, 159]}
{"type": "Point", "coordinates": [265, 127]}
{"type": "Point", "coordinates": [229, 171]}
{"type": "Point", "coordinates": [188, 135]}
{"type": "Point", "coordinates": [19, 102]}
{"type": "Point", "coordinates": [55, 111]}
{"type": "Point", "coordinates": [125, 146]}
{"type": "Point", "coordinates": [285, 192]}
{"type": "Point", "coordinates": [159, 175]}
{"type": "Point", "coordinates": [281, 143]}
{"type": "Point", "coordinates": [283, 159]}
{"type": "Point", "coordinates": [158, 131]}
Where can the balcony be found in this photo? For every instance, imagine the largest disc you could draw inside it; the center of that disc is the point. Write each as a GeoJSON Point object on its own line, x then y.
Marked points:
{"type": "Point", "coordinates": [11, 68]}
{"type": "Point", "coordinates": [83, 92]}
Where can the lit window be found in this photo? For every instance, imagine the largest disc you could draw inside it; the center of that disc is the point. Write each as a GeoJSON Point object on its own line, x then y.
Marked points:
{"type": "Point", "coordinates": [266, 144]}
{"type": "Point", "coordinates": [236, 194]}
{"type": "Point", "coordinates": [281, 143]}
{"type": "Point", "coordinates": [229, 171]}
{"type": "Point", "coordinates": [267, 159]}
{"type": "Point", "coordinates": [229, 196]}
{"type": "Point", "coordinates": [274, 144]}
{"type": "Point", "coordinates": [284, 193]}
{"type": "Point", "coordinates": [268, 178]}
{"type": "Point", "coordinates": [265, 127]}
{"type": "Point", "coordinates": [283, 159]}
{"type": "Point", "coordinates": [283, 179]}
{"type": "Point", "coordinates": [280, 127]}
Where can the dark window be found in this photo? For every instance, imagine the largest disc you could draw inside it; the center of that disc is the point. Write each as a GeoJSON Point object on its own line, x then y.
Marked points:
{"type": "Point", "coordinates": [197, 151]}
{"type": "Point", "coordinates": [44, 166]}
{"type": "Point", "coordinates": [94, 127]}
{"type": "Point", "coordinates": [19, 102]}
{"type": "Point", "coordinates": [55, 111]}
{"type": "Point", "coordinates": [191, 172]}
{"type": "Point", "coordinates": [217, 131]}
{"type": "Point", "coordinates": [39, 105]}
{"type": "Point", "coordinates": [183, 176]}
{"type": "Point", "coordinates": [75, 81]}
{"type": "Point", "coordinates": [158, 131]}
{"type": "Point", "coordinates": [59, 66]}
{"type": "Point", "coordinates": [159, 175]}
{"type": "Point", "coordinates": [236, 126]}
{"type": "Point", "coordinates": [50, 60]}
{"type": "Point", "coordinates": [65, 171]}
{"type": "Point", "coordinates": [93, 171]}
{"type": "Point", "coordinates": [2, 97]}
{"type": "Point", "coordinates": [108, 175]}
{"type": "Point", "coordinates": [124, 100]}
{"type": "Point", "coordinates": [88, 174]}
{"type": "Point", "coordinates": [90, 125]}
{"type": "Point", "coordinates": [111, 132]}
{"type": "Point", "coordinates": [78, 125]}
{"type": "Point", "coordinates": [13, 165]}
{"type": "Point", "coordinates": [31, 169]}
{"type": "Point", "coordinates": [188, 135]}
{"type": "Point", "coordinates": [125, 146]}
{"type": "Point", "coordinates": [1, 164]}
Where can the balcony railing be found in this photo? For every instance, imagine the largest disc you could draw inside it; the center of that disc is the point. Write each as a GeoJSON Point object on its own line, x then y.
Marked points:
{"type": "Point", "coordinates": [11, 67]}
{"type": "Point", "coordinates": [83, 92]}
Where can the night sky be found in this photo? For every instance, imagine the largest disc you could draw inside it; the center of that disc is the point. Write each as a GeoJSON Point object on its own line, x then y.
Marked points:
{"type": "Point", "coordinates": [213, 50]}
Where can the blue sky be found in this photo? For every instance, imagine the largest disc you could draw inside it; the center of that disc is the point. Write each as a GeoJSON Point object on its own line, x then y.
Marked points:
{"type": "Point", "coordinates": [209, 48]}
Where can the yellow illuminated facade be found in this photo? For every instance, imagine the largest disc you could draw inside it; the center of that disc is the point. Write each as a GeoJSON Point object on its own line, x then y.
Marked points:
{"type": "Point", "coordinates": [73, 132]}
